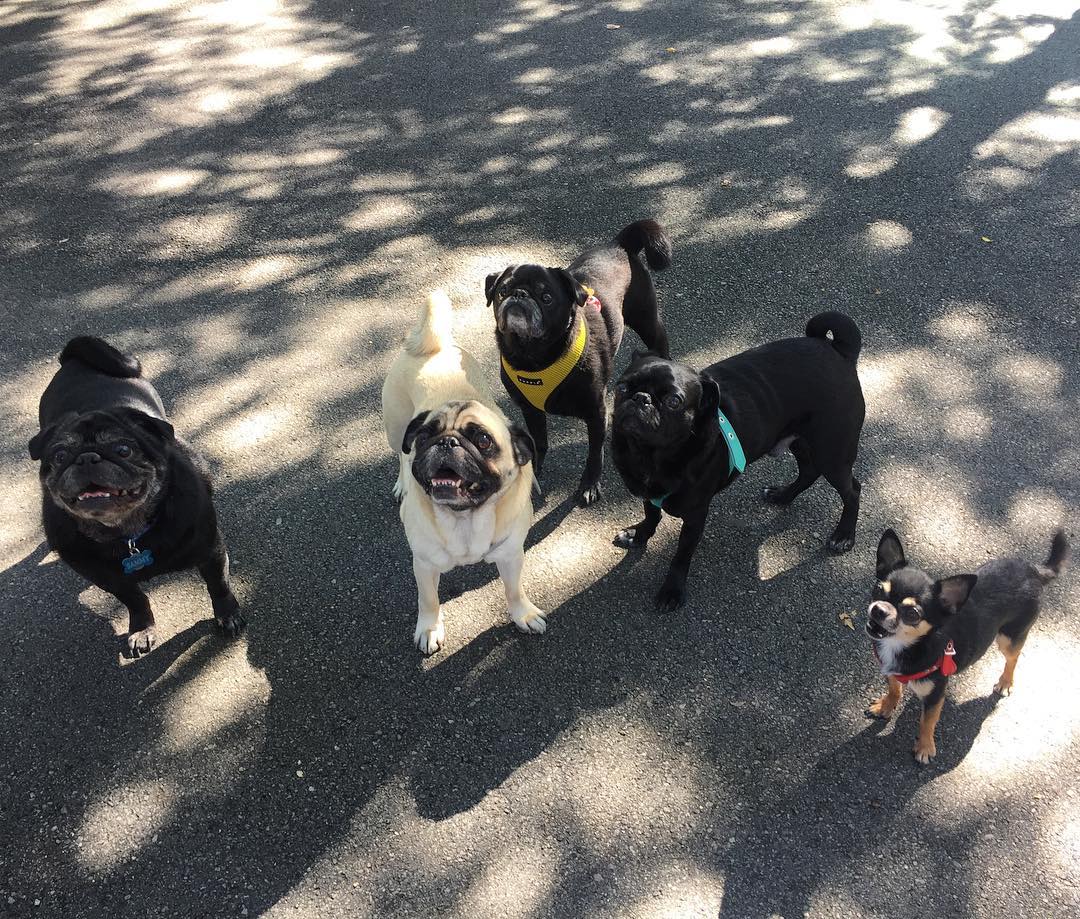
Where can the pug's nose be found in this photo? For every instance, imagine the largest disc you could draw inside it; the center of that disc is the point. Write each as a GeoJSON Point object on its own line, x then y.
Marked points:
{"type": "Point", "coordinates": [85, 458]}
{"type": "Point", "coordinates": [643, 397]}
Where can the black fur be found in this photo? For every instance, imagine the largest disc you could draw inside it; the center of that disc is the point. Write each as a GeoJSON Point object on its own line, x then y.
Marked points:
{"type": "Point", "coordinates": [912, 618]}
{"type": "Point", "coordinates": [666, 442]}
{"type": "Point", "coordinates": [532, 334]}
{"type": "Point", "coordinates": [103, 429]}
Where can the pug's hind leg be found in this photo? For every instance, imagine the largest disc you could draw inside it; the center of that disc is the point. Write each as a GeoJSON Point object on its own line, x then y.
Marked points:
{"type": "Point", "coordinates": [526, 615]}
{"type": "Point", "coordinates": [430, 631]}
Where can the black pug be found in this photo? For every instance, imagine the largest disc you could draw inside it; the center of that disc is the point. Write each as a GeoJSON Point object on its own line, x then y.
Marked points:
{"type": "Point", "coordinates": [558, 331]}
{"type": "Point", "coordinates": [679, 436]}
{"type": "Point", "coordinates": [925, 630]}
{"type": "Point", "coordinates": [124, 499]}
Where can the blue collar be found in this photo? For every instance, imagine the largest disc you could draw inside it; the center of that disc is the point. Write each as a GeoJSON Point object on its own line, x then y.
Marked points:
{"type": "Point", "coordinates": [736, 456]}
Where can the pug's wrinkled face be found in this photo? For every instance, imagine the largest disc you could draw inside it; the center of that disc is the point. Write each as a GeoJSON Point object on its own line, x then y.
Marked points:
{"type": "Point", "coordinates": [532, 302]}
{"type": "Point", "coordinates": [659, 402]}
{"type": "Point", "coordinates": [105, 467]}
{"type": "Point", "coordinates": [464, 453]}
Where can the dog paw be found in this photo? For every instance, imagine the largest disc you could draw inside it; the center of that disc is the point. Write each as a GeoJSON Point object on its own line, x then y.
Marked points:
{"type": "Point", "coordinates": [430, 640]}
{"type": "Point", "coordinates": [775, 494]}
{"type": "Point", "coordinates": [590, 494]}
{"type": "Point", "coordinates": [670, 598]}
{"type": "Point", "coordinates": [881, 708]}
{"type": "Point", "coordinates": [924, 752]}
{"type": "Point", "coordinates": [838, 545]}
{"type": "Point", "coordinates": [530, 619]}
{"type": "Point", "coordinates": [232, 624]}
{"type": "Point", "coordinates": [142, 642]}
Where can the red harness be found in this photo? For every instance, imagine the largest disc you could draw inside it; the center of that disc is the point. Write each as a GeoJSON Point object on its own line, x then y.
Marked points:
{"type": "Point", "coordinates": [947, 666]}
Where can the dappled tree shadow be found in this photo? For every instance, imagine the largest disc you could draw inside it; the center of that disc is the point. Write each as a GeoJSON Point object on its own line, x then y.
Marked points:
{"type": "Point", "coordinates": [255, 199]}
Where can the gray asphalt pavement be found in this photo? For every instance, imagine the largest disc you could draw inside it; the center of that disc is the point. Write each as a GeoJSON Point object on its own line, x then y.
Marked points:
{"type": "Point", "coordinates": [255, 198]}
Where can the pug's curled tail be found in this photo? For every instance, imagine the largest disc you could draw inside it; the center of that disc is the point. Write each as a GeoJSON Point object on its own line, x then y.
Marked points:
{"type": "Point", "coordinates": [846, 337]}
{"type": "Point", "coordinates": [1058, 560]}
{"type": "Point", "coordinates": [103, 357]}
{"type": "Point", "coordinates": [434, 331]}
{"type": "Point", "coordinates": [649, 236]}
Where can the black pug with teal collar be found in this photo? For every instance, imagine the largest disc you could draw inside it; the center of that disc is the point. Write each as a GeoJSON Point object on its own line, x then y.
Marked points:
{"type": "Point", "coordinates": [124, 499]}
{"type": "Point", "coordinates": [679, 436]}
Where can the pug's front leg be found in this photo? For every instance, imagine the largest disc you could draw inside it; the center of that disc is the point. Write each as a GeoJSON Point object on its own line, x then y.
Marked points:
{"type": "Point", "coordinates": [526, 615]}
{"type": "Point", "coordinates": [672, 593]}
{"type": "Point", "coordinates": [430, 631]}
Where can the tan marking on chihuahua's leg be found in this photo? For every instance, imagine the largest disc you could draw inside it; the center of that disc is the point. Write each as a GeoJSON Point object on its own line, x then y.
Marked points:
{"type": "Point", "coordinates": [886, 705]}
{"type": "Point", "coordinates": [1012, 655]}
{"type": "Point", "coordinates": [925, 748]}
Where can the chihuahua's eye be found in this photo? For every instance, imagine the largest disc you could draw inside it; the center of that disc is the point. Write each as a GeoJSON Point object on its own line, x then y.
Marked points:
{"type": "Point", "coordinates": [546, 298]}
{"type": "Point", "coordinates": [483, 441]}
{"type": "Point", "coordinates": [122, 450]}
{"type": "Point", "coordinates": [672, 401]}
{"type": "Point", "coordinates": [59, 455]}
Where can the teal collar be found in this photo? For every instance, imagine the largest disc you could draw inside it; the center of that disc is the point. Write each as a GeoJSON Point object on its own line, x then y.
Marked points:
{"type": "Point", "coordinates": [735, 456]}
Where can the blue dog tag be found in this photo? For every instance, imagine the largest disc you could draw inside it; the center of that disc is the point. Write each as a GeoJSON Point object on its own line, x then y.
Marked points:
{"type": "Point", "coordinates": [137, 562]}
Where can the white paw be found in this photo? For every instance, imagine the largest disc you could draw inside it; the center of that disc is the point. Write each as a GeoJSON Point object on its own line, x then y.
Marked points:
{"type": "Point", "coordinates": [429, 640]}
{"type": "Point", "coordinates": [530, 619]}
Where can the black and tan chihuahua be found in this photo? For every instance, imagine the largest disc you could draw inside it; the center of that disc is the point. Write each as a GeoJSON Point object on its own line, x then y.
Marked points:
{"type": "Point", "coordinates": [925, 630]}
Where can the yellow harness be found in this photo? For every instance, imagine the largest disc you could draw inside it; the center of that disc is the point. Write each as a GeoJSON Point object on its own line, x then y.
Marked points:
{"type": "Point", "coordinates": [538, 385]}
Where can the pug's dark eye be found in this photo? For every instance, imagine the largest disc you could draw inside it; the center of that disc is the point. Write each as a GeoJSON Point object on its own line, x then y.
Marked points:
{"type": "Point", "coordinates": [122, 450]}
{"type": "Point", "coordinates": [483, 441]}
{"type": "Point", "coordinates": [59, 455]}
{"type": "Point", "coordinates": [672, 401]}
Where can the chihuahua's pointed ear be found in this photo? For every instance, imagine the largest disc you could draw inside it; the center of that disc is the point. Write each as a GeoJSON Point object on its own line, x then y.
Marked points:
{"type": "Point", "coordinates": [574, 288]}
{"type": "Point", "coordinates": [523, 445]}
{"type": "Point", "coordinates": [952, 593]}
{"type": "Point", "coordinates": [890, 555]}
{"type": "Point", "coordinates": [412, 430]}
{"type": "Point", "coordinates": [494, 280]}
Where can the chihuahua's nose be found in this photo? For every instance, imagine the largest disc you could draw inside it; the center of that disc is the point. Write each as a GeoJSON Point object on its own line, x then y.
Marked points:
{"type": "Point", "coordinates": [85, 458]}
{"type": "Point", "coordinates": [878, 611]}
{"type": "Point", "coordinates": [643, 397]}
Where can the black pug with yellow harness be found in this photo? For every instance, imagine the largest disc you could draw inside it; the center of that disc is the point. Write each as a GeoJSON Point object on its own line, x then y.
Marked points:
{"type": "Point", "coordinates": [558, 330]}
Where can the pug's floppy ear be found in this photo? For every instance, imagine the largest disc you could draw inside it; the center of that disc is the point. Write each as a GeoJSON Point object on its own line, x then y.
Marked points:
{"type": "Point", "coordinates": [494, 281]}
{"type": "Point", "coordinates": [952, 593]}
{"type": "Point", "coordinates": [158, 428]}
{"type": "Point", "coordinates": [577, 293]}
{"type": "Point", "coordinates": [523, 445]}
{"type": "Point", "coordinates": [710, 396]}
{"type": "Point", "coordinates": [412, 430]}
{"type": "Point", "coordinates": [890, 555]}
{"type": "Point", "coordinates": [39, 441]}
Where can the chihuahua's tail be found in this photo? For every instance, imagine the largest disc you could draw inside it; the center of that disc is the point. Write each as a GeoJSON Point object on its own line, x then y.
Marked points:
{"type": "Point", "coordinates": [650, 236]}
{"type": "Point", "coordinates": [846, 337]}
{"type": "Point", "coordinates": [434, 331]}
{"type": "Point", "coordinates": [1058, 560]}
{"type": "Point", "coordinates": [103, 357]}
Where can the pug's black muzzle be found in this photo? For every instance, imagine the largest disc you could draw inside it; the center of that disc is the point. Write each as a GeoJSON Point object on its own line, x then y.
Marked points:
{"type": "Point", "coordinates": [521, 317]}
{"type": "Point", "coordinates": [91, 483]}
{"type": "Point", "coordinates": [452, 476]}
